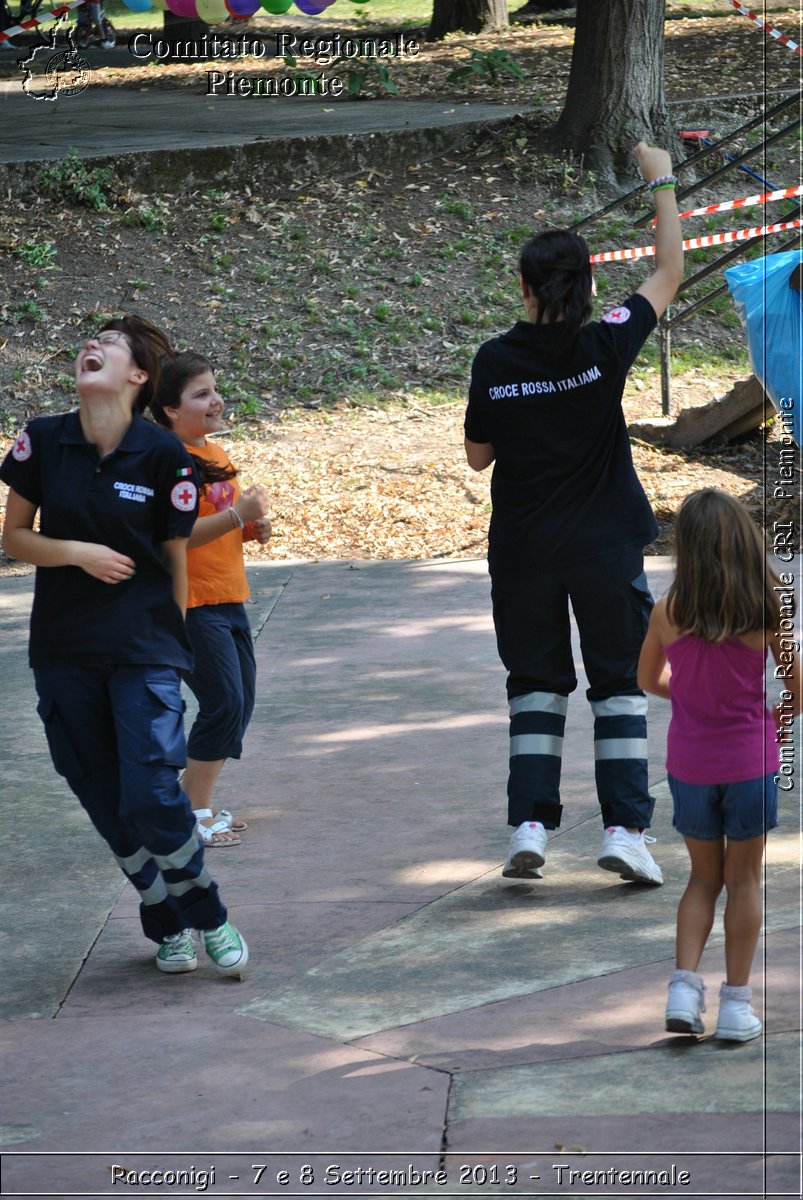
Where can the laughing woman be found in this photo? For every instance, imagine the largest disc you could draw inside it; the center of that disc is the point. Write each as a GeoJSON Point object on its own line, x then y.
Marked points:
{"type": "Point", "coordinates": [117, 503]}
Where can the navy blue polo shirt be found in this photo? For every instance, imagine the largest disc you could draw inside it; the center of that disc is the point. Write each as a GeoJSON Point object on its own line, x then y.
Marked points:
{"type": "Point", "coordinates": [563, 481]}
{"type": "Point", "coordinates": [141, 494]}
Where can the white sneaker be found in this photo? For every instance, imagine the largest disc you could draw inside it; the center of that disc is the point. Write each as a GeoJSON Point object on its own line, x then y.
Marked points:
{"type": "Point", "coordinates": [527, 852]}
{"type": "Point", "coordinates": [737, 1022]}
{"type": "Point", "coordinates": [685, 1000]}
{"type": "Point", "coordinates": [627, 854]}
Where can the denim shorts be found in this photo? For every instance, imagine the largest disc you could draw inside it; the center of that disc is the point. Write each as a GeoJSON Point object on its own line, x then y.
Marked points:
{"type": "Point", "coordinates": [738, 811]}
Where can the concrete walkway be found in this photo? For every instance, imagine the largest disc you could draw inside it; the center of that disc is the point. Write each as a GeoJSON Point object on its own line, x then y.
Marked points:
{"type": "Point", "coordinates": [406, 1009]}
{"type": "Point", "coordinates": [169, 140]}
{"type": "Point", "coordinates": [214, 134]}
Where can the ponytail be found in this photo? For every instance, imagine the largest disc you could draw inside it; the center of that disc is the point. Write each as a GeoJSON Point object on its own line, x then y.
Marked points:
{"type": "Point", "coordinates": [555, 266]}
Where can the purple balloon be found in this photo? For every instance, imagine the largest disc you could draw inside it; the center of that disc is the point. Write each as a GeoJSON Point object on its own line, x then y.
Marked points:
{"type": "Point", "coordinates": [242, 8]}
{"type": "Point", "coordinates": [183, 8]}
{"type": "Point", "coordinates": [312, 8]}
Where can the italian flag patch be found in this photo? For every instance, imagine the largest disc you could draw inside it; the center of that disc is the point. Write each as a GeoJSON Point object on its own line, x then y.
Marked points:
{"type": "Point", "coordinates": [182, 472]}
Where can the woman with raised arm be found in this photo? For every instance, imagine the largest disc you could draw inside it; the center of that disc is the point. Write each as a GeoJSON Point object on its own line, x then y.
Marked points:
{"type": "Point", "coordinates": [569, 524]}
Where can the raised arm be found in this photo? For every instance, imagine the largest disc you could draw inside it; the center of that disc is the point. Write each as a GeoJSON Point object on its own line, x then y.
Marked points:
{"type": "Point", "coordinates": [251, 507]}
{"type": "Point", "coordinates": [667, 276]}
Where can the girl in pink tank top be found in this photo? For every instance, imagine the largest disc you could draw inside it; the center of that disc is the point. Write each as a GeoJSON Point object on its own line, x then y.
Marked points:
{"type": "Point", "coordinates": [706, 651]}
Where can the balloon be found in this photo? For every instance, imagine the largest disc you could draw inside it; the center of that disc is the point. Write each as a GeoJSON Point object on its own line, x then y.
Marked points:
{"type": "Point", "coordinates": [214, 12]}
{"type": "Point", "coordinates": [276, 6]}
{"type": "Point", "coordinates": [311, 8]}
{"type": "Point", "coordinates": [242, 8]}
{"type": "Point", "coordinates": [183, 8]}
{"type": "Point", "coordinates": [139, 5]}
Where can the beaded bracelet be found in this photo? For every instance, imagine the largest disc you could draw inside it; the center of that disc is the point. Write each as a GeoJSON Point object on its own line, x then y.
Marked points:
{"type": "Point", "coordinates": [663, 181]}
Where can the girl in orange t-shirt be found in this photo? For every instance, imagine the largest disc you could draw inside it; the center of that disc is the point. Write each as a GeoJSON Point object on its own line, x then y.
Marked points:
{"type": "Point", "coordinates": [223, 678]}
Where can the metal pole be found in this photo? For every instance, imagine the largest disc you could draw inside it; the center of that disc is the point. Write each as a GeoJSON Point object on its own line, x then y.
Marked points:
{"type": "Point", "coordinates": [665, 332]}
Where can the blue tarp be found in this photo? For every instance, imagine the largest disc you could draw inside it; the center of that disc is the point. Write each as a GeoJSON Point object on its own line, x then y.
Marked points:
{"type": "Point", "coordinates": [772, 313]}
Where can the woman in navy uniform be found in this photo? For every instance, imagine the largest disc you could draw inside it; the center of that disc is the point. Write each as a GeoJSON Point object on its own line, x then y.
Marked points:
{"type": "Point", "coordinates": [569, 524]}
{"type": "Point", "coordinates": [117, 500]}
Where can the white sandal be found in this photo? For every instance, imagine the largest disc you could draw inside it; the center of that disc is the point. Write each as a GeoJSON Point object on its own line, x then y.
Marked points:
{"type": "Point", "coordinates": [209, 832]}
{"type": "Point", "coordinates": [223, 815]}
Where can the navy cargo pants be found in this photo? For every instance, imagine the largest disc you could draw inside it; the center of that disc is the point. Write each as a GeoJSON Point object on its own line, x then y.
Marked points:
{"type": "Point", "coordinates": [611, 603]}
{"type": "Point", "coordinates": [116, 734]}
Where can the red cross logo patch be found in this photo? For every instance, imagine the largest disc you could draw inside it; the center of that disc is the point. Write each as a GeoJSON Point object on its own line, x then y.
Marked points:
{"type": "Point", "coordinates": [184, 496]}
{"type": "Point", "coordinates": [22, 448]}
{"type": "Point", "coordinates": [617, 316]}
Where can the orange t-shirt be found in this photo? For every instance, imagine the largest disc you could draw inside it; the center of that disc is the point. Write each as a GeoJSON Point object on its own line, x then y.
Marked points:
{"type": "Point", "coordinates": [217, 570]}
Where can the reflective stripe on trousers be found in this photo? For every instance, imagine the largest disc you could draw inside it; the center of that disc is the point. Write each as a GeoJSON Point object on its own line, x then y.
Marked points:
{"type": "Point", "coordinates": [620, 761]}
{"type": "Point", "coordinates": [537, 722]}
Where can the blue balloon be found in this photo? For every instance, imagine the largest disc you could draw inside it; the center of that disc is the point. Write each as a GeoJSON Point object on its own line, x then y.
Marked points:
{"type": "Point", "coordinates": [138, 5]}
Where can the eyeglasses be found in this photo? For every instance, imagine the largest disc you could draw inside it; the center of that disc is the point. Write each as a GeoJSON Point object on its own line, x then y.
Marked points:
{"type": "Point", "coordinates": [109, 336]}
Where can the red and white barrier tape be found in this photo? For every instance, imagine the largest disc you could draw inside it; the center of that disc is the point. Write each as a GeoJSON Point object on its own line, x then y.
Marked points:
{"type": "Point", "coordinates": [53, 15]}
{"type": "Point", "coordinates": [765, 25]}
{"type": "Point", "coordinates": [712, 239]}
{"type": "Point", "coordinates": [744, 202]}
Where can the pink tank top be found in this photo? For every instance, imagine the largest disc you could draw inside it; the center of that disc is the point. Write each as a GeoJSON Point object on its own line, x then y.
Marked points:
{"type": "Point", "coordinates": [721, 730]}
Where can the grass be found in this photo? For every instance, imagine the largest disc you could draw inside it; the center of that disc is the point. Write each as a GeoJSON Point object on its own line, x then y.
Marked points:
{"type": "Point", "coordinates": [703, 361]}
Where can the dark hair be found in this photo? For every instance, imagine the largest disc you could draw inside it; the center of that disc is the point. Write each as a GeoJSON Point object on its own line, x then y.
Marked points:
{"type": "Point", "coordinates": [150, 349]}
{"type": "Point", "coordinates": [176, 373]}
{"type": "Point", "coordinates": [555, 266]}
{"type": "Point", "coordinates": [723, 586]}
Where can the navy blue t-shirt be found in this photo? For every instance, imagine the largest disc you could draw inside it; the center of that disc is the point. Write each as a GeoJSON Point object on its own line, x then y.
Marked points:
{"type": "Point", "coordinates": [563, 480]}
{"type": "Point", "coordinates": [141, 494]}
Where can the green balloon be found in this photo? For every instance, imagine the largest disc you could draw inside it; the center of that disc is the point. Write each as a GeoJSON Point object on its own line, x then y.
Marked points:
{"type": "Point", "coordinates": [276, 6]}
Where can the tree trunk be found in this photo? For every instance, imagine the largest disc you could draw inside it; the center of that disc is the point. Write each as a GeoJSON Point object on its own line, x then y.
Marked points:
{"type": "Point", "coordinates": [180, 30]}
{"type": "Point", "coordinates": [616, 93]}
{"type": "Point", "coordinates": [467, 16]}
{"type": "Point", "coordinates": [533, 7]}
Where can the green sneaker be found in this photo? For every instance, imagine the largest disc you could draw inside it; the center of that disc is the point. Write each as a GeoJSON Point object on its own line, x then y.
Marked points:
{"type": "Point", "coordinates": [177, 953]}
{"type": "Point", "coordinates": [227, 949]}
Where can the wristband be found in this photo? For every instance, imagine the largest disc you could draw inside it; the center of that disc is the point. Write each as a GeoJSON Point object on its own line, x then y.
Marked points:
{"type": "Point", "coordinates": [663, 181]}
{"type": "Point", "coordinates": [237, 520]}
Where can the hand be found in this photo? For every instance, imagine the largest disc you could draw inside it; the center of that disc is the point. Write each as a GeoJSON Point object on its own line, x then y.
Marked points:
{"type": "Point", "coordinates": [261, 529]}
{"type": "Point", "coordinates": [653, 162]}
{"type": "Point", "coordinates": [103, 563]}
{"type": "Point", "coordinates": [253, 503]}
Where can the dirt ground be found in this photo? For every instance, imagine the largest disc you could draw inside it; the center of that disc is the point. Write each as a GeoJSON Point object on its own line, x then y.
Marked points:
{"type": "Point", "coordinates": [342, 318]}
